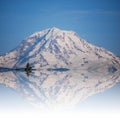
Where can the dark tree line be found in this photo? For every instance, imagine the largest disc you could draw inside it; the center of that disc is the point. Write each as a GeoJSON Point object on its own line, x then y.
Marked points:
{"type": "Point", "coordinates": [28, 69]}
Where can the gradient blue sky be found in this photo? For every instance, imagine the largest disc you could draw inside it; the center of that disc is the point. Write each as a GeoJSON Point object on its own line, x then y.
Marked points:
{"type": "Point", "coordinates": [97, 21]}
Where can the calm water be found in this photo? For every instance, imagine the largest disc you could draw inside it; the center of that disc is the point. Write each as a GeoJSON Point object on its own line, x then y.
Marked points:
{"type": "Point", "coordinates": [52, 94]}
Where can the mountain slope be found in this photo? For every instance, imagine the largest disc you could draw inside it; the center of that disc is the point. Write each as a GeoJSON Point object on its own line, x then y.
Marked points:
{"type": "Point", "coordinates": [57, 48]}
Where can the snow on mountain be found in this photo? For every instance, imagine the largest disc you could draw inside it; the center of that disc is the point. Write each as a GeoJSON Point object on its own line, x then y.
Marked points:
{"type": "Point", "coordinates": [57, 48]}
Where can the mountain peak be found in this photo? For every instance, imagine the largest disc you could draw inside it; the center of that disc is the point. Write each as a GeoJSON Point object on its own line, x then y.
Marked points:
{"type": "Point", "coordinates": [54, 28]}
{"type": "Point", "coordinates": [51, 31]}
{"type": "Point", "coordinates": [46, 31]}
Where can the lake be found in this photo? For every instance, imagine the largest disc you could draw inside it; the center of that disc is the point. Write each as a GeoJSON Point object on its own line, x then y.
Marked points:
{"type": "Point", "coordinates": [51, 94]}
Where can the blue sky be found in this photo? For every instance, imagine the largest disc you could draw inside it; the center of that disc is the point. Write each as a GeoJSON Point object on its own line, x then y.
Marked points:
{"type": "Point", "coordinates": [97, 21]}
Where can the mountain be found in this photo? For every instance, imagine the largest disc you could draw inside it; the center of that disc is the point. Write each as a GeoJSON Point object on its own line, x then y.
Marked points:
{"type": "Point", "coordinates": [55, 48]}
{"type": "Point", "coordinates": [92, 69]}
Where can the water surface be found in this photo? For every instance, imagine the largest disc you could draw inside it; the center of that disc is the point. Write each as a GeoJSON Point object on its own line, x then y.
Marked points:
{"type": "Point", "coordinates": [75, 92]}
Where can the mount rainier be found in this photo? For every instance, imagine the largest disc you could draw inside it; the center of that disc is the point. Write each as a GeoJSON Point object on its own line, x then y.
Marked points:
{"type": "Point", "coordinates": [55, 48]}
{"type": "Point", "coordinates": [92, 69]}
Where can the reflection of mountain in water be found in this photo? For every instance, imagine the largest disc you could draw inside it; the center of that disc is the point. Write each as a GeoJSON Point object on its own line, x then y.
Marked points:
{"type": "Point", "coordinates": [56, 89]}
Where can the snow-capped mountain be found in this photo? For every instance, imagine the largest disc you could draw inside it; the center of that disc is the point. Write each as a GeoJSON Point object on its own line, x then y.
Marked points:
{"type": "Point", "coordinates": [57, 48]}
{"type": "Point", "coordinates": [92, 69]}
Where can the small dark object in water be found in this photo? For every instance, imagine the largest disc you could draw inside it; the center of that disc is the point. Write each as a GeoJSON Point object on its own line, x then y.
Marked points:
{"type": "Point", "coordinates": [28, 69]}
